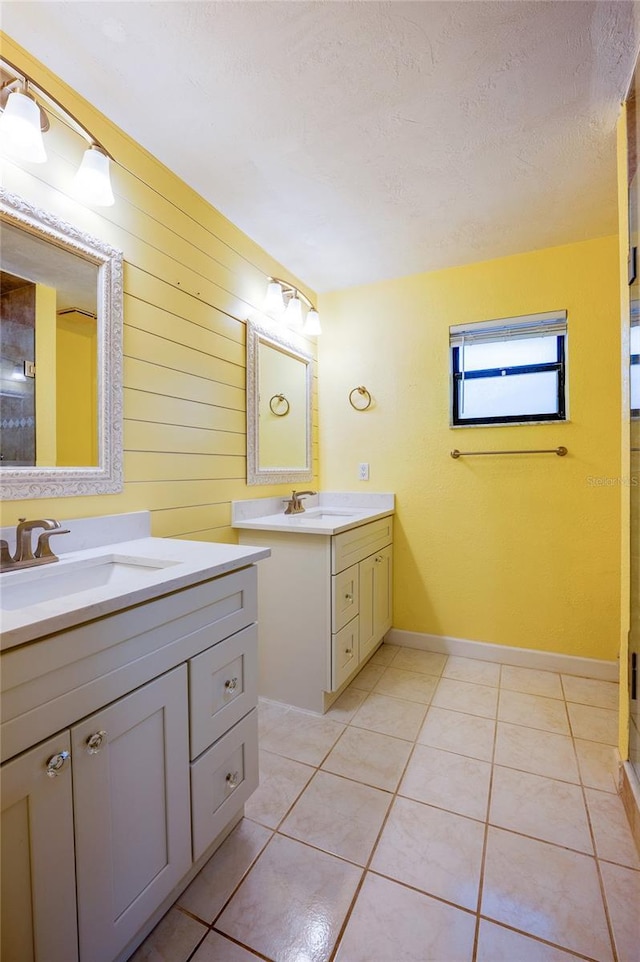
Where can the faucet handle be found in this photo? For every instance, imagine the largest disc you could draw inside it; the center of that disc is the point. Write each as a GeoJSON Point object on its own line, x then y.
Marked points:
{"type": "Point", "coordinates": [43, 548]}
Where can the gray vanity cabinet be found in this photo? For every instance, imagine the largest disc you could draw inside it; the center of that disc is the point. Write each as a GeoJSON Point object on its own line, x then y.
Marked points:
{"type": "Point", "coordinates": [38, 869]}
{"type": "Point", "coordinates": [131, 808]}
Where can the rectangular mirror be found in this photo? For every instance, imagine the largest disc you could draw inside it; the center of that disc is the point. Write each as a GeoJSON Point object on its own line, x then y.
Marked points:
{"type": "Point", "coordinates": [60, 357]}
{"type": "Point", "coordinates": [279, 392]}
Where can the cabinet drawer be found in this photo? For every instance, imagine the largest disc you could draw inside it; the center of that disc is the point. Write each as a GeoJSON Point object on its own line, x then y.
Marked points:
{"type": "Point", "coordinates": [352, 546]}
{"type": "Point", "coordinates": [223, 685]}
{"type": "Point", "coordinates": [222, 779]}
{"type": "Point", "coordinates": [344, 653]}
{"type": "Point", "coordinates": [344, 597]}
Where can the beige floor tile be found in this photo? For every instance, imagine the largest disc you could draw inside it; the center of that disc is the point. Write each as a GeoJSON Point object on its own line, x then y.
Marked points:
{"type": "Point", "coordinates": [435, 851]}
{"type": "Point", "coordinates": [390, 716]}
{"type": "Point", "coordinates": [281, 781]}
{"type": "Point", "coordinates": [369, 757]}
{"type": "Point", "coordinates": [622, 891]}
{"type": "Point", "coordinates": [590, 691]}
{"type": "Point", "coordinates": [448, 781]}
{"type": "Point", "coordinates": [427, 662]}
{"type": "Point", "coordinates": [384, 655]}
{"type": "Point", "coordinates": [598, 765]}
{"type": "Point", "coordinates": [269, 712]}
{"type": "Point", "coordinates": [461, 696]}
{"type": "Point", "coordinates": [594, 724]}
{"type": "Point", "coordinates": [173, 939]}
{"type": "Point", "coordinates": [531, 750]}
{"type": "Point", "coordinates": [472, 670]}
{"type": "Point", "coordinates": [378, 928]}
{"type": "Point", "coordinates": [533, 711]}
{"type": "Point", "coordinates": [454, 731]}
{"type": "Point", "coordinates": [611, 829]}
{"type": "Point", "coordinates": [410, 685]}
{"type": "Point", "coordinates": [216, 948]}
{"type": "Point", "coordinates": [547, 891]}
{"type": "Point", "coordinates": [215, 882]}
{"type": "Point", "coordinates": [531, 681]}
{"type": "Point", "coordinates": [304, 737]}
{"type": "Point", "coordinates": [543, 807]}
{"type": "Point", "coordinates": [292, 903]}
{"type": "Point", "coordinates": [497, 944]}
{"type": "Point", "coordinates": [366, 679]}
{"type": "Point", "coordinates": [339, 816]}
{"type": "Point", "coordinates": [345, 707]}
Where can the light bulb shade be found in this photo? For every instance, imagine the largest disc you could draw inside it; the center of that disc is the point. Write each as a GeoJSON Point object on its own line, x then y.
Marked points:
{"type": "Point", "coordinates": [273, 302]}
{"type": "Point", "coordinates": [293, 313]}
{"type": "Point", "coordinates": [20, 133]}
{"type": "Point", "coordinates": [92, 184]}
{"type": "Point", "coordinates": [312, 323]}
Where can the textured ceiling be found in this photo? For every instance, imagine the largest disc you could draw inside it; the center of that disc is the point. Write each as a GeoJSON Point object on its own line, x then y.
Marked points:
{"type": "Point", "coordinates": [357, 141]}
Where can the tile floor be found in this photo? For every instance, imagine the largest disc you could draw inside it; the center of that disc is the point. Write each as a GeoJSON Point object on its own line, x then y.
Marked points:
{"type": "Point", "coordinates": [444, 810]}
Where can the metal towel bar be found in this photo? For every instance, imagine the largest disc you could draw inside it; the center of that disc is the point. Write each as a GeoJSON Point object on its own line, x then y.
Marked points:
{"type": "Point", "coordinates": [561, 451]}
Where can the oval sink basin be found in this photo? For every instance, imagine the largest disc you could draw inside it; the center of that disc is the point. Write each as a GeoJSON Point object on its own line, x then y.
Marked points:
{"type": "Point", "coordinates": [33, 586]}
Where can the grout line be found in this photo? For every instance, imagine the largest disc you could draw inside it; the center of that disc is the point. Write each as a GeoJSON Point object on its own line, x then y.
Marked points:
{"type": "Point", "coordinates": [485, 841]}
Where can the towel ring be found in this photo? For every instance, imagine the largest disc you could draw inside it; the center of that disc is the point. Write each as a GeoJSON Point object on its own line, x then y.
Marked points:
{"type": "Point", "coordinates": [362, 391]}
{"type": "Point", "coordinates": [280, 399]}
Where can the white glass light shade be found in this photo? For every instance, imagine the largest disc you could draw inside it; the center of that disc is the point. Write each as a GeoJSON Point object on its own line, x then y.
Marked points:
{"type": "Point", "coordinates": [312, 323]}
{"type": "Point", "coordinates": [92, 184]}
{"type": "Point", "coordinates": [20, 132]}
{"type": "Point", "coordinates": [273, 303]}
{"type": "Point", "coordinates": [293, 313]}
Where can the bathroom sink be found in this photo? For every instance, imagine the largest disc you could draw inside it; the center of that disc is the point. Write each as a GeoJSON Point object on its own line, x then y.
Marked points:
{"type": "Point", "coordinates": [314, 513]}
{"type": "Point", "coordinates": [33, 586]}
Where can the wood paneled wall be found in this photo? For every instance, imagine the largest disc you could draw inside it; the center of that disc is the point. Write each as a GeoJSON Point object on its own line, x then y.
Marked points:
{"type": "Point", "coordinates": [190, 279]}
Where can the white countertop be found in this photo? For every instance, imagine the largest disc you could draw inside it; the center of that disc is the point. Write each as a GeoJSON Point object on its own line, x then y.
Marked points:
{"type": "Point", "coordinates": [327, 513]}
{"type": "Point", "coordinates": [172, 564]}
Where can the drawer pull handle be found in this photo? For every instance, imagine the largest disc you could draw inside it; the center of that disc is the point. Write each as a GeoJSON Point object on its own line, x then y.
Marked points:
{"type": "Point", "coordinates": [95, 742]}
{"type": "Point", "coordinates": [233, 779]}
{"type": "Point", "coordinates": [56, 763]}
{"type": "Point", "coordinates": [231, 684]}
{"type": "Point", "coordinates": [348, 651]}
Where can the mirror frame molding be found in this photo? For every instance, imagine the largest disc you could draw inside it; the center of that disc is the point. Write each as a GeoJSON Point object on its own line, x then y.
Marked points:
{"type": "Point", "coordinates": [107, 477]}
{"type": "Point", "coordinates": [256, 335]}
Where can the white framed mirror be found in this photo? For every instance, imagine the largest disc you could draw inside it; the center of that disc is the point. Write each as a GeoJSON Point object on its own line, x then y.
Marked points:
{"type": "Point", "coordinates": [279, 393]}
{"type": "Point", "coordinates": [60, 357]}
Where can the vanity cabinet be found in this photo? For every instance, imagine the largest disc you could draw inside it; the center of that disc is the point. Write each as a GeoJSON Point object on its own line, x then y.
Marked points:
{"type": "Point", "coordinates": [325, 606]}
{"type": "Point", "coordinates": [104, 823]}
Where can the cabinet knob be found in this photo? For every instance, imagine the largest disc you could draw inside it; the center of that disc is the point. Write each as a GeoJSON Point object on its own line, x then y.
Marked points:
{"type": "Point", "coordinates": [378, 559]}
{"type": "Point", "coordinates": [95, 742]}
{"type": "Point", "coordinates": [348, 651]}
{"type": "Point", "coordinates": [55, 764]}
{"type": "Point", "coordinates": [232, 779]}
{"type": "Point", "coordinates": [231, 684]}
{"type": "Point", "coordinates": [348, 597]}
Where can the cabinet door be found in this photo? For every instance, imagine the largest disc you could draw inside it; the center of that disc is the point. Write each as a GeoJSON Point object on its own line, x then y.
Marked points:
{"type": "Point", "coordinates": [375, 599]}
{"type": "Point", "coordinates": [131, 802]}
{"type": "Point", "coordinates": [344, 597]}
{"type": "Point", "coordinates": [38, 873]}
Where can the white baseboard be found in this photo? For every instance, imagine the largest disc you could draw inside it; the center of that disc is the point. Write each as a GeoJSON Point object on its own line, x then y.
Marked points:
{"type": "Point", "coordinates": [508, 655]}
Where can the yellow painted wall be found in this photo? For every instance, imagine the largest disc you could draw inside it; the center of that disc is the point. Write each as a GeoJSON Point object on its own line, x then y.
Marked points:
{"type": "Point", "coordinates": [190, 279]}
{"type": "Point", "coordinates": [520, 551]}
{"type": "Point", "coordinates": [45, 325]}
{"type": "Point", "coordinates": [76, 389]}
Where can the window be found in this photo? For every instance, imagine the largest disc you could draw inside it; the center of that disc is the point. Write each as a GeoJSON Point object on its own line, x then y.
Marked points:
{"type": "Point", "coordinates": [509, 371]}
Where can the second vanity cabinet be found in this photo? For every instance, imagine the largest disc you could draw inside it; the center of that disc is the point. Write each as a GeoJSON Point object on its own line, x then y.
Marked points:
{"type": "Point", "coordinates": [325, 606]}
{"type": "Point", "coordinates": [154, 755]}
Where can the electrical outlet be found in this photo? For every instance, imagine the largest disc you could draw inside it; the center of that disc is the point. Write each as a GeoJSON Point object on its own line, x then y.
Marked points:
{"type": "Point", "coordinates": [363, 471]}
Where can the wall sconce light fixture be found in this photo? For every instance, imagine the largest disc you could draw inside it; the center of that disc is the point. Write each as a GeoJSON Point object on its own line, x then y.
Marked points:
{"type": "Point", "coordinates": [283, 302]}
{"type": "Point", "coordinates": [23, 120]}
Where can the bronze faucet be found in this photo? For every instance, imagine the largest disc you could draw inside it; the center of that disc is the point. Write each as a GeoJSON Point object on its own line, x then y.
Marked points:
{"type": "Point", "coordinates": [294, 504]}
{"type": "Point", "coordinates": [24, 556]}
